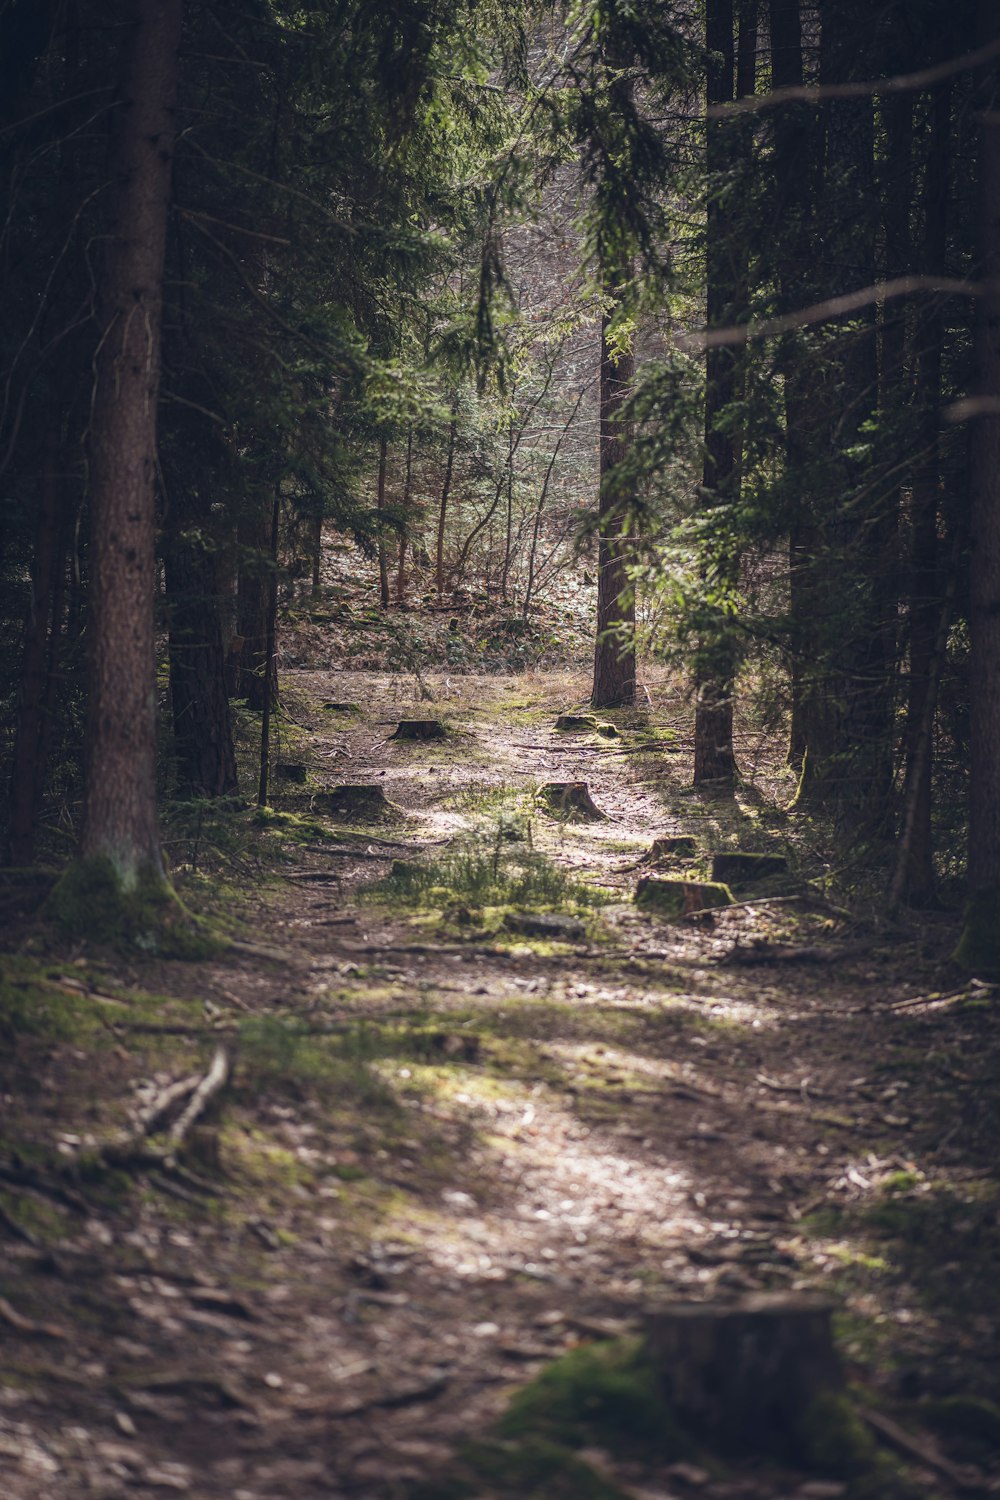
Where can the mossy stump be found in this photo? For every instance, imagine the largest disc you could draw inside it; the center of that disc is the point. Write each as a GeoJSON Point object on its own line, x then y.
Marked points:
{"type": "Point", "coordinates": [674, 846]}
{"type": "Point", "coordinates": [419, 729]}
{"type": "Point", "coordinates": [570, 800]}
{"type": "Point", "coordinates": [291, 770]}
{"type": "Point", "coordinates": [746, 1376]}
{"type": "Point", "coordinates": [675, 897]}
{"type": "Point", "coordinates": [978, 950]}
{"type": "Point", "coordinates": [340, 708]}
{"type": "Point", "coordinates": [737, 868]}
{"type": "Point", "coordinates": [360, 803]}
{"type": "Point", "coordinates": [576, 724]}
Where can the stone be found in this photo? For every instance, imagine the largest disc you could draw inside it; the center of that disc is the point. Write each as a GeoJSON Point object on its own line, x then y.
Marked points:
{"type": "Point", "coordinates": [545, 925]}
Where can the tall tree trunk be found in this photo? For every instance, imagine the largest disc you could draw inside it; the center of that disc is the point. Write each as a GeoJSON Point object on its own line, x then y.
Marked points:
{"type": "Point", "coordinates": [443, 504]}
{"type": "Point", "coordinates": [979, 948]}
{"type": "Point", "coordinates": [269, 676]}
{"type": "Point", "coordinates": [714, 760]}
{"type": "Point", "coordinates": [614, 652]}
{"type": "Point", "coordinates": [120, 819]}
{"type": "Point", "coordinates": [383, 558]}
{"type": "Point", "coordinates": [253, 594]}
{"type": "Point", "coordinates": [916, 879]}
{"type": "Point", "coordinates": [407, 494]}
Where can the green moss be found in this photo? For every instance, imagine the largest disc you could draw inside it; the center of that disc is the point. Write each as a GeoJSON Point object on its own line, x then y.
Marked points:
{"type": "Point", "coordinates": [978, 950]}
{"type": "Point", "coordinates": [600, 1393]}
{"type": "Point", "coordinates": [91, 901]}
{"type": "Point", "coordinates": [675, 897]}
{"type": "Point", "coordinates": [832, 1438]}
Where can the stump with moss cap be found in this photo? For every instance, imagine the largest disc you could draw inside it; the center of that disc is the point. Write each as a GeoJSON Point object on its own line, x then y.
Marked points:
{"type": "Point", "coordinates": [747, 1376]}
{"type": "Point", "coordinates": [361, 803]}
{"type": "Point", "coordinates": [570, 800]}
{"type": "Point", "coordinates": [672, 846]}
{"type": "Point", "coordinates": [419, 729]}
{"type": "Point", "coordinates": [676, 897]}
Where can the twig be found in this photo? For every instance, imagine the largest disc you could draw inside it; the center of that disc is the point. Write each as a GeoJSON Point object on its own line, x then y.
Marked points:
{"type": "Point", "coordinates": [131, 1150]}
{"type": "Point", "coordinates": [11, 1316]}
{"type": "Point", "coordinates": [951, 997]}
{"type": "Point", "coordinates": [969, 1480]}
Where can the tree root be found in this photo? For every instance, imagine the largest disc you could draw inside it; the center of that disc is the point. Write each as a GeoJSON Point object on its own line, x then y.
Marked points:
{"type": "Point", "coordinates": [131, 1151]}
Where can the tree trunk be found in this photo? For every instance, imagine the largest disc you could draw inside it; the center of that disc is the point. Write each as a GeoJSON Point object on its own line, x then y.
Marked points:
{"type": "Point", "coordinates": [614, 652]}
{"type": "Point", "coordinates": [269, 675]}
{"type": "Point", "coordinates": [119, 819]}
{"type": "Point", "coordinates": [984, 821]}
{"type": "Point", "coordinates": [383, 559]}
{"type": "Point", "coordinates": [916, 879]}
{"type": "Point", "coordinates": [443, 506]}
{"type": "Point", "coordinates": [714, 761]}
{"type": "Point", "coordinates": [253, 594]}
{"type": "Point", "coordinates": [407, 492]}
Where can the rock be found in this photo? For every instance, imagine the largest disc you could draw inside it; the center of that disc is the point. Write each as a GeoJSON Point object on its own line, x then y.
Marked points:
{"type": "Point", "coordinates": [419, 729]}
{"type": "Point", "coordinates": [570, 800]}
{"type": "Point", "coordinates": [364, 803]}
{"type": "Point", "coordinates": [545, 925]}
{"type": "Point", "coordinates": [743, 869]}
{"type": "Point", "coordinates": [675, 897]}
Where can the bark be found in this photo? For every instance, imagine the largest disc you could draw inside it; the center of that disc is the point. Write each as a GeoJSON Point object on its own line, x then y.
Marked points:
{"type": "Point", "coordinates": [714, 761]}
{"type": "Point", "coordinates": [614, 652]}
{"type": "Point", "coordinates": [383, 560]}
{"type": "Point", "coordinates": [253, 593]}
{"type": "Point", "coordinates": [984, 619]}
{"type": "Point", "coordinates": [449, 469]}
{"type": "Point", "coordinates": [915, 882]}
{"type": "Point", "coordinates": [268, 676]}
{"type": "Point", "coordinates": [407, 492]}
{"type": "Point", "coordinates": [119, 821]}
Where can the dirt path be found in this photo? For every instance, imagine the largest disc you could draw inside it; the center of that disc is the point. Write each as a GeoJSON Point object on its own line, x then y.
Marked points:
{"type": "Point", "coordinates": [448, 1154]}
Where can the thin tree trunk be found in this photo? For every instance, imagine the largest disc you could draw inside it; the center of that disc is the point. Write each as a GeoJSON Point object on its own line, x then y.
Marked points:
{"type": "Point", "coordinates": [383, 560]}
{"type": "Point", "coordinates": [317, 553]}
{"type": "Point", "coordinates": [253, 593]}
{"type": "Point", "coordinates": [509, 517]}
{"type": "Point", "coordinates": [443, 506]}
{"type": "Point", "coordinates": [614, 651]}
{"type": "Point", "coordinates": [407, 491]}
{"type": "Point", "coordinates": [916, 881]}
{"type": "Point", "coordinates": [270, 673]}
{"type": "Point", "coordinates": [120, 820]}
{"type": "Point", "coordinates": [714, 761]}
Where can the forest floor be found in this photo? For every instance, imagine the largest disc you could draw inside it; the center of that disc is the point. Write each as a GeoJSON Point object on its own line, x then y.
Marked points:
{"type": "Point", "coordinates": [483, 1109]}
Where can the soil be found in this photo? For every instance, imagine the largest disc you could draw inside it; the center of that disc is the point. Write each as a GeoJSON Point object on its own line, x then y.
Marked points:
{"type": "Point", "coordinates": [449, 1151]}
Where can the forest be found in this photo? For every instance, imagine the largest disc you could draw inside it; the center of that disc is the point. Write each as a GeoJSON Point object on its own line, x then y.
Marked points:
{"type": "Point", "coordinates": [499, 706]}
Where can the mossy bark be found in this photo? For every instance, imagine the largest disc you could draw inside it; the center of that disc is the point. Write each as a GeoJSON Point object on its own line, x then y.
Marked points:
{"type": "Point", "coordinates": [91, 900]}
{"type": "Point", "coordinates": [978, 950]}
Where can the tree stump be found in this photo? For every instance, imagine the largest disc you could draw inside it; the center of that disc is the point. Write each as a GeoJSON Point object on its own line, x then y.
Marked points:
{"type": "Point", "coordinates": [675, 897]}
{"type": "Point", "coordinates": [291, 770]}
{"type": "Point", "coordinates": [569, 800]}
{"type": "Point", "coordinates": [576, 723]}
{"type": "Point", "coordinates": [340, 708]}
{"type": "Point", "coordinates": [744, 1375]}
{"type": "Point", "coordinates": [673, 846]}
{"type": "Point", "coordinates": [419, 729]}
{"type": "Point", "coordinates": [743, 869]}
{"type": "Point", "coordinates": [356, 803]}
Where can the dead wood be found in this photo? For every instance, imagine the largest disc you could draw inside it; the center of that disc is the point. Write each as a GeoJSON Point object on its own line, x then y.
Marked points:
{"type": "Point", "coordinates": [969, 1480]}
{"type": "Point", "coordinates": [21, 1324]}
{"type": "Point", "coordinates": [131, 1150]}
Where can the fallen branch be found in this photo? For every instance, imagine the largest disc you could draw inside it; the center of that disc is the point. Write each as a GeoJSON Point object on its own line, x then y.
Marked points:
{"type": "Point", "coordinates": [131, 1150]}
{"type": "Point", "coordinates": [924, 1451]}
{"type": "Point", "coordinates": [18, 1321]}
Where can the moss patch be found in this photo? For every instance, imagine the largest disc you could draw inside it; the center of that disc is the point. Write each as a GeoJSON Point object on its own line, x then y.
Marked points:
{"type": "Point", "coordinates": [90, 901]}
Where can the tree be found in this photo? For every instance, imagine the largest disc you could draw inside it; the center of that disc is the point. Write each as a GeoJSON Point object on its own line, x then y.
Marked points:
{"type": "Point", "coordinates": [120, 816]}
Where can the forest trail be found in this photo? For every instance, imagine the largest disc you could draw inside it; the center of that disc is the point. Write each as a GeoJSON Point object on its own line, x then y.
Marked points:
{"type": "Point", "coordinates": [452, 1150]}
